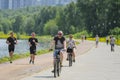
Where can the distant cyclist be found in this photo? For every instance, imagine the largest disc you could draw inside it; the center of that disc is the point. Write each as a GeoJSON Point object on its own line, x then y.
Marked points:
{"type": "Point", "coordinates": [112, 43]}
{"type": "Point", "coordinates": [71, 46]}
{"type": "Point", "coordinates": [11, 41]}
{"type": "Point", "coordinates": [59, 42]}
{"type": "Point", "coordinates": [97, 40]}
{"type": "Point", "coordinates": [32, 43]}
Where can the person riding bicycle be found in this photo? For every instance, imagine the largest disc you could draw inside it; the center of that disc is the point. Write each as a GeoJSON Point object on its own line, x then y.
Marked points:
{"type": "Point", "coordinates": [59, 42]}
{"type": "Point", "coordinates": [71, 46]}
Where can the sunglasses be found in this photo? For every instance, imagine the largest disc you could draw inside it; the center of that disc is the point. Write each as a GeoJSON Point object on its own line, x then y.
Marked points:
{"type": "Point", "coordinates": [59, 34]}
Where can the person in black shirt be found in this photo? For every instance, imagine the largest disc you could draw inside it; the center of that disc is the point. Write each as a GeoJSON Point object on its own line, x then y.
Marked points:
{"type": "Point", "coordinates": [59, 42]}
{"type": "Point", "coordinates": [32, 43]}
{"type": "Point", "coordinates": [11, 41]}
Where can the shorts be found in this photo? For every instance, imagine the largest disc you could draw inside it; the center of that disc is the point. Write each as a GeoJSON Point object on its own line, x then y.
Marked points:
{"type": "Point", "coordinates": [32, 50]}
{"type": "Point", "coordinates": [69, 50]}
{"type": "Point", "coordinates": [56, 52]}
{"type": "Point", "coordinates": [11, 48]}
{"type": "Point", "coordinates": [96, 42]}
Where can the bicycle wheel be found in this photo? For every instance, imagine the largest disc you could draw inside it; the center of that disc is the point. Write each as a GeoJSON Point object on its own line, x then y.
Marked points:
{"type": "Point", "coordinates": [70, 59]}
{"type": "Point", "coordinates": [58, 68]}
{"type": "Point", "coordinates": [55, 69]}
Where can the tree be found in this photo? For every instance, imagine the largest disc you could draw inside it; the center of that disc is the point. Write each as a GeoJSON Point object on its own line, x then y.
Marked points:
{"type": "Point", "coordinates": [50, 27]}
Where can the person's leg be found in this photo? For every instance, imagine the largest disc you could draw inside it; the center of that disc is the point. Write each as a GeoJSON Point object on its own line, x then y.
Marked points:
{"type": "Point", "coordinates": [33, 56]}
{"type": "Point", "coordinates": [61, 58]}
{"type": "Point", "coordinates": [11, 56]}
{"type": "Point", "coordinates": [73, 54]}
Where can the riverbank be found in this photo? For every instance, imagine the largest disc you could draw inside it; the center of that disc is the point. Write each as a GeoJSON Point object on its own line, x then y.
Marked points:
{"type": "Point", "coordinates": [20, 56]}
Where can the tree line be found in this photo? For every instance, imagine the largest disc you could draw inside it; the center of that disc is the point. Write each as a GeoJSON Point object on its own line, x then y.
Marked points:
{"type": "Point", "coordinates": [95, 16]}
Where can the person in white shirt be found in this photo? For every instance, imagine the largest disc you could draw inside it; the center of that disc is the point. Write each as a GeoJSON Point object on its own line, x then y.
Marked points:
{"type": "Point", "coordinates": [97, 40]}
{"type": "Point", "coordinates": [71, 46]}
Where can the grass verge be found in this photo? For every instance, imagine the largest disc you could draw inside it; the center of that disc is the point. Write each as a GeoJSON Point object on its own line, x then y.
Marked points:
{"type": "Point", "coordinates": [104, 40]}
{"type": "Point", "coordinates": [20, 56]}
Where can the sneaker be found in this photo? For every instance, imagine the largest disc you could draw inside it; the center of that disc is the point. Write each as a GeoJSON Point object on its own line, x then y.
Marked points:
{"type": "Point", "coordinates": [52, 71]}
{"type": "Point", "coordinates": [67, 59]}
{"type": "Point", "coordinates": [30, 61]}
{"type": "Point", "coordinates": [11, 62]}
{"type": "Point", "coordinates": [61, 65]}
{"type": "Point", "coordinates": [74, 60]}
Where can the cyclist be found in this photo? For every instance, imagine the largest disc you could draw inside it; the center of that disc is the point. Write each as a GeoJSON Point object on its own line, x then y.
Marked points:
{"type": "Point", "coordinates": [71, 46]}
{"type": "Point", "coordinates": [59, 42]}
{"type": "Point", "coordinates": [97, 40]}
{"type": "Point", "coordinates": [11, 41]}
{"type": "Point", "coordinates": [112, 43]}
{"type": "Point", "coordinates": [32, 43]}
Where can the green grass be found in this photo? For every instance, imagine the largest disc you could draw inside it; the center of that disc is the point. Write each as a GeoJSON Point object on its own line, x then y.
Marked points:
{"type": "Point", "coordinates": [20, 56]}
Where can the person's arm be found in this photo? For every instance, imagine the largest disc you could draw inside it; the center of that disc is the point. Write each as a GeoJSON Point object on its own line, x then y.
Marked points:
{"type": "Point", "coordinates": [16, 41]}
{"type": "Point", "coordinates": [75, 43]}
{"type": "Point", "coordinates": [29, 42]}
{"type": "Point", "coordinates": [36, 41]}
{"type": "Point", "coordinates": [7, 41]}
{"type": "Point", "coordinates": [64, 43]}
{"type": "Point", "coordinates": [52, 44]}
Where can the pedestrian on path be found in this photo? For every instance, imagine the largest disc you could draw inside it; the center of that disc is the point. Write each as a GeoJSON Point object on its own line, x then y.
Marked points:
{"type": "Point", "coordinates": [112, 43]}
{"type": "Point", "coordinates": [32, 43]}
{"type": "Point", "coordinates": [97, 40]}
{"type": "Point", "coordinates": [11, 41]}
{"type": "Point", "coordinates": [107, 40]}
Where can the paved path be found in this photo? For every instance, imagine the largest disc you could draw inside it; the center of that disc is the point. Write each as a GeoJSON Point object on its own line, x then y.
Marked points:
{"type": "Point", "coordinates": [97, 64]}
{"type": "Point", "coordinates": [21, 68]}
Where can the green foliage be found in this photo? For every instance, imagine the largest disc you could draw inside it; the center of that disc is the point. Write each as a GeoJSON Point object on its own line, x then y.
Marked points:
{"type": "Point", "coordinates": [94, 16]}
{"type": "Point", "coordinates": [50, 27]}
{"type": "Point", "coordinates": [79, 34]}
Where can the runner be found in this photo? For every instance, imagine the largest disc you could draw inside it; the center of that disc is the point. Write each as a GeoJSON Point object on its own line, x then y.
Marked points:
{"type": "Point", "coordinates": [32, 43]}
{"type": "Point", "coordinates": [11, 41]}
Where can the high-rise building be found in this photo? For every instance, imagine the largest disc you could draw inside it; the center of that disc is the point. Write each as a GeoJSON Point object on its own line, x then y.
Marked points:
{"type": "Point", "coordinates": [10, 4]}
{"type": "Point", "coordinates": [4, 4]}
{"type": "Point", "coordinates": [15, 4]}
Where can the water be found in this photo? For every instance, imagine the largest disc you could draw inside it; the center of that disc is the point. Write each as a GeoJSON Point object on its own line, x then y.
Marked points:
{"type": "Point", "coordinates": [20, 48]}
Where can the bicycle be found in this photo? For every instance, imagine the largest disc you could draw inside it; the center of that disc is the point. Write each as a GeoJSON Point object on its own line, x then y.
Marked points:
{"type": "Point", "coordinates": [70, 57]}
{"type": "Point", "coordinates": [57, 65]}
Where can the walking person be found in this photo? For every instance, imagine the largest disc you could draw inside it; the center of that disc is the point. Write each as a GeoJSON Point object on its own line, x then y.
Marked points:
{"type": "Point", "coordinates": [11, 41]}
{"type": "Point", "coordinates": [112, 43]}
{"type": "Point", "coordinates": [107, 40]}
{"type": "Point", "coordinates": [32, 43]}
{"type": "Point", "coordinates": [97, 40]}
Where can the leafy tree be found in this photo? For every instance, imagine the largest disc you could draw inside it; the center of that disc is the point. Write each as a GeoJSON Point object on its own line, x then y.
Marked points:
{"type": "Point", "coordinates": [51, 27]}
